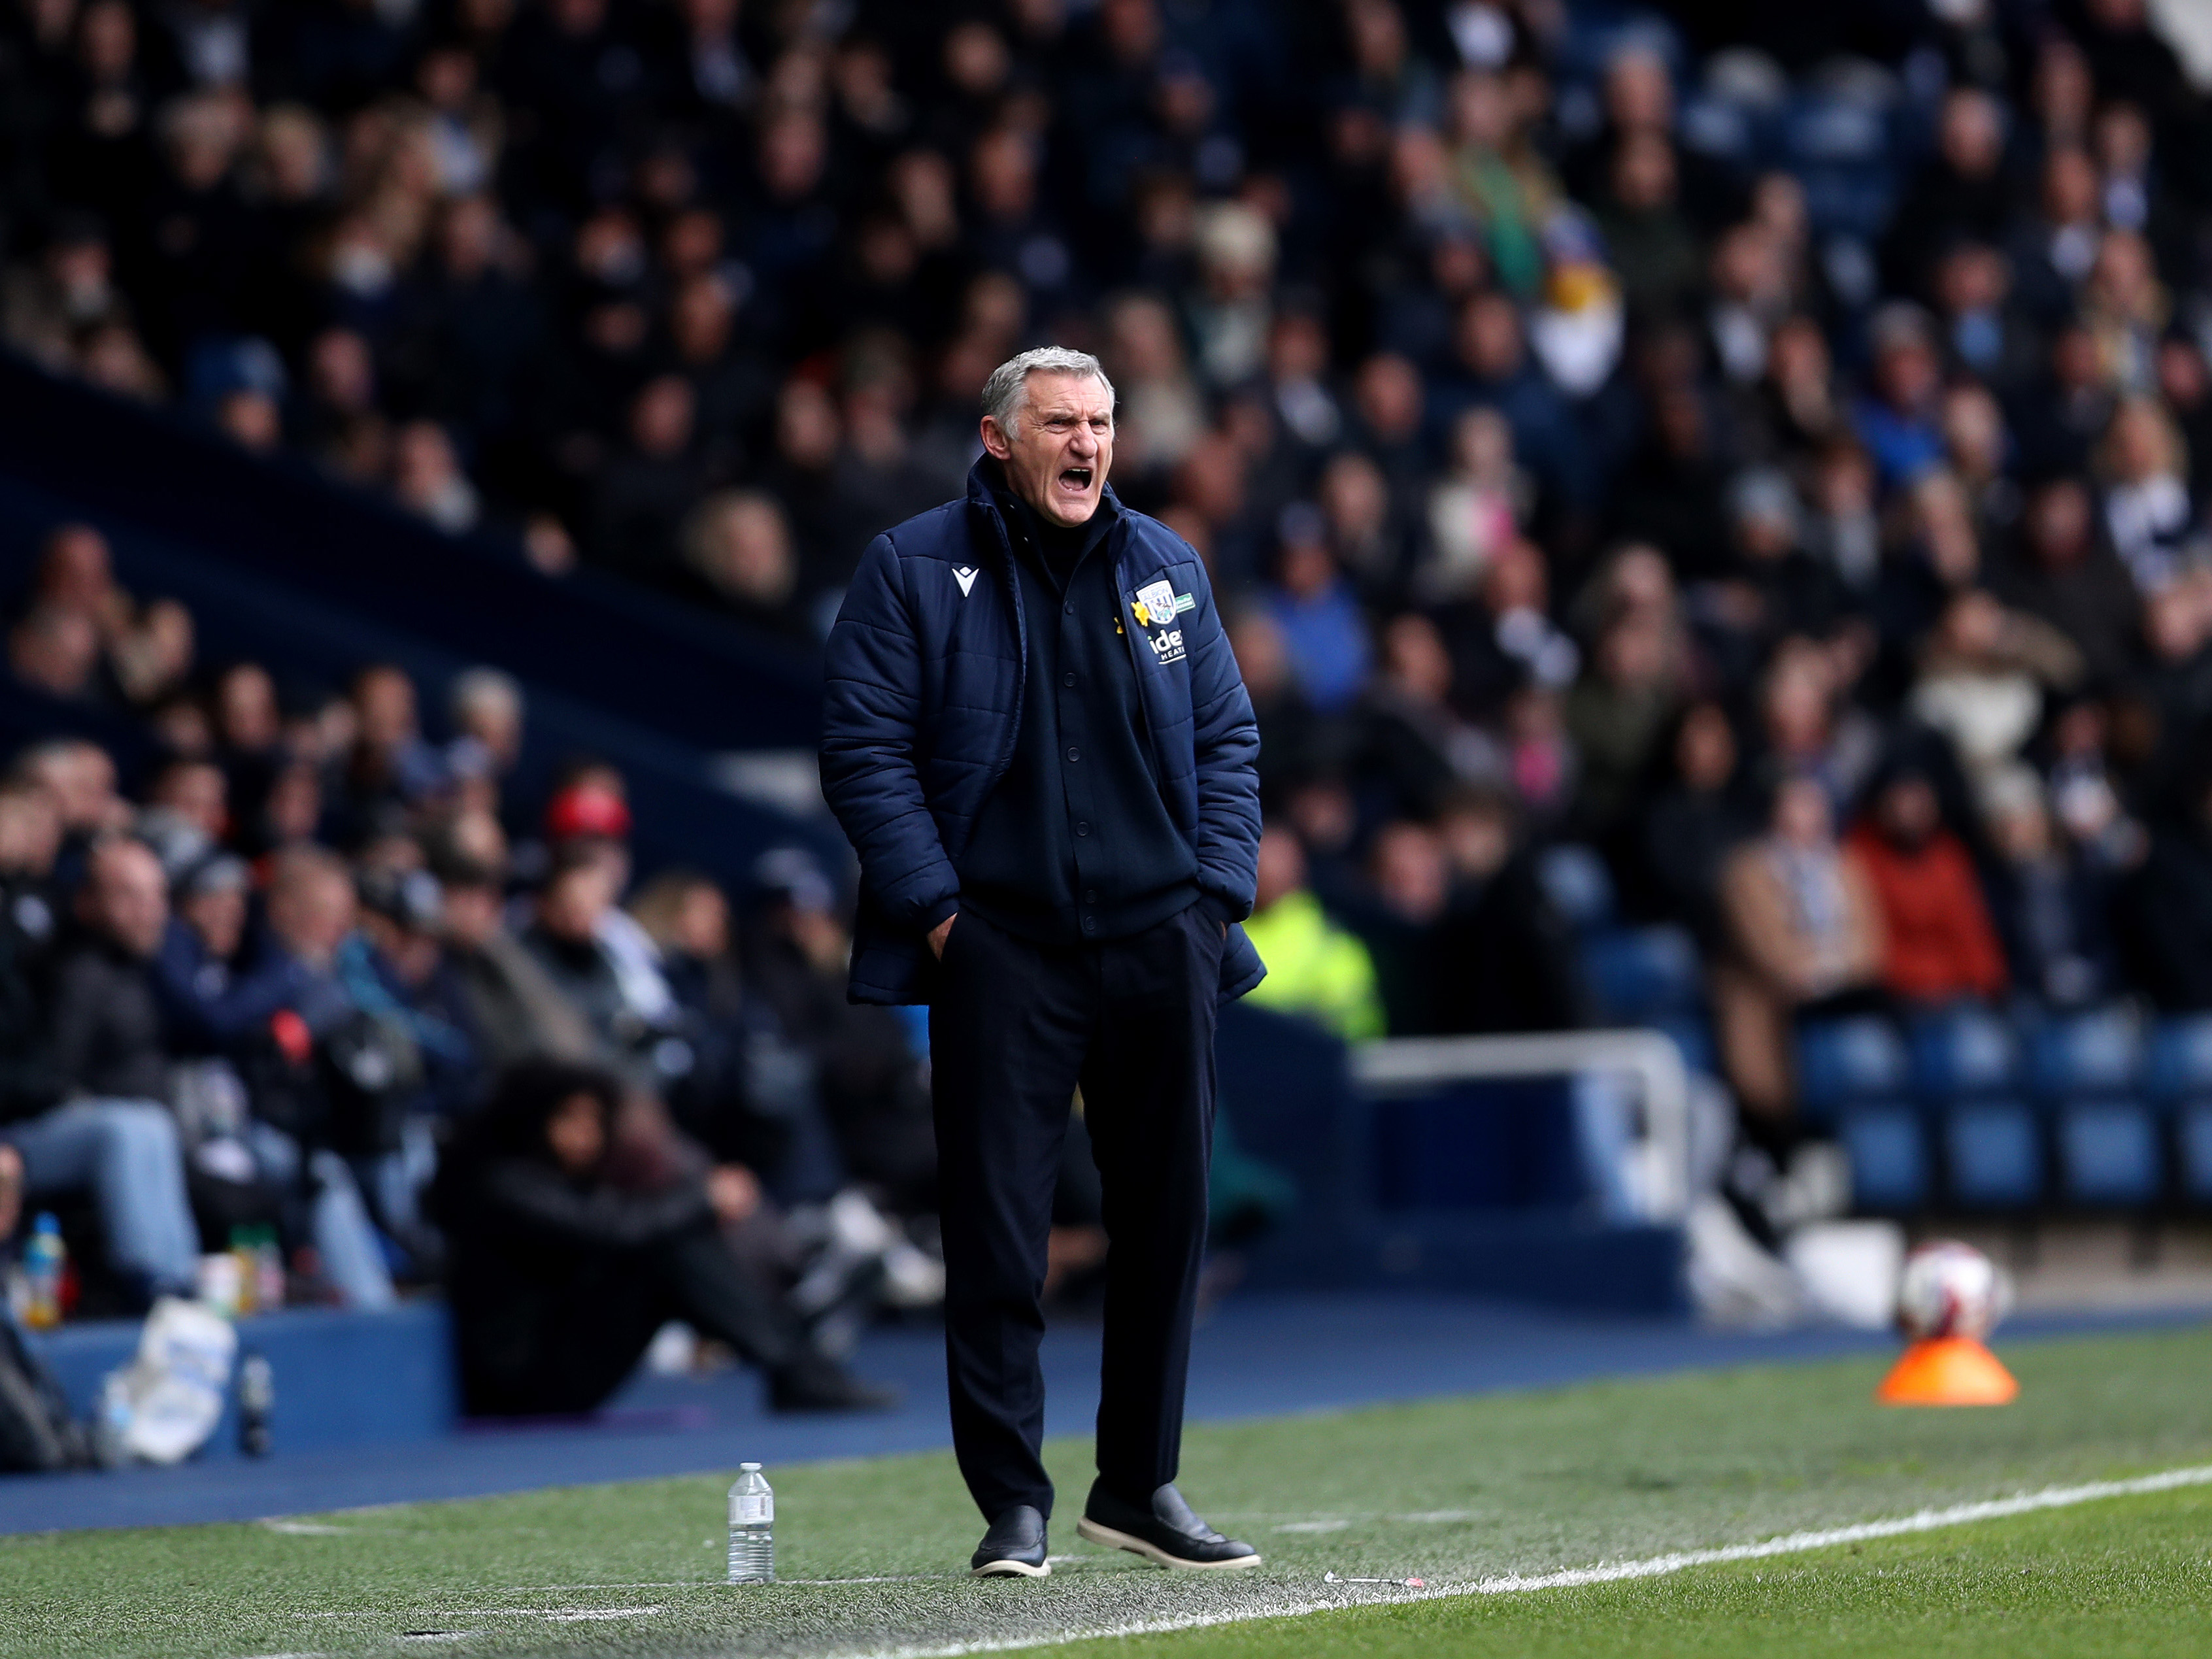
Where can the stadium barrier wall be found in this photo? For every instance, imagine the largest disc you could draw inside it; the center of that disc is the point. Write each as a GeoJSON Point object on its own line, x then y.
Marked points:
{"type": "Point", "coordinates": [342, 1379]}
{"type": "Point", "coordinates": [1452, 1163]}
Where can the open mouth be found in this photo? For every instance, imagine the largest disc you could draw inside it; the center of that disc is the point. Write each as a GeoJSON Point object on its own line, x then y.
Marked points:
{"type": "Point", "coordinates": [1076, 478]}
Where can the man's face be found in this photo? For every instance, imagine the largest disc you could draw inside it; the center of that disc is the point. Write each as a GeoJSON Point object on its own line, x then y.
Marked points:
{"type": "Point", "coordinates": [1282, 867]}
{"type": "Point", "coordinates": [471, 913]}
{"type": "Point", "coordinates": [576, 1133]}
{"type": "Point", "coordinates": [1060, 448]}
{"type": "Point", "coordinates": [1908, 812]}
{"type": "Point", "coordinates": [127, 899]}
{"type": "Point", "coordinates": [219, 918]}
{"type": "Point", "coordinates": [387, 700]}
{"type": "Point", "coordinates": [312, 912]}
{"type": "Point", "coordinates": [574, 901]}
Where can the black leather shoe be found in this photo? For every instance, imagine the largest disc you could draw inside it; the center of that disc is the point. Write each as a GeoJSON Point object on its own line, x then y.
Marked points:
{"type": "Point", "coordinates": [815, 1382]}
{"type": "Point", "coordinates": [1166, 1531]}
{"type": "Point", "coordinates": [1013, 1548]}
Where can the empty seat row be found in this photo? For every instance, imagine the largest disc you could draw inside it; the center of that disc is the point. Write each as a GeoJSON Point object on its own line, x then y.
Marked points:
{"type": "Point", "coordinates": [1647, 975]}
{"type": "Point", "coordinates": [2006, 1154]}
{"type": "Point", "coordinates": [1642, 976]}
{"type": "Point", "coordinates": [1971, 1053]}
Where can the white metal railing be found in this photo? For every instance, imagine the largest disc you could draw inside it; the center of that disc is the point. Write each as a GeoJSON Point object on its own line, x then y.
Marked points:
{"type": "Point", "coordinates": [1399, 1065]}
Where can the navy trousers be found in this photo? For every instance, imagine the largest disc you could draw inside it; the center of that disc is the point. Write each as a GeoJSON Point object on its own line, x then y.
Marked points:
{"type": "Point", "coordinates": [1016, 1028]}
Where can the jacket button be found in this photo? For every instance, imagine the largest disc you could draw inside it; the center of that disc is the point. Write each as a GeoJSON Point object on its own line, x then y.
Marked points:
{"type": "Point", "coordinates": [1073, 753]}
{"type": "Point", "coordinates": [1091, 924]}
{"type": "Point", "coordinates": [1082, 829]}
{"type": "Point", "coordinates": [1067, 679]}
{"type": "Point", "coordinates": [1091, 896]}
{"type": "Point", "coordinates": [1070, 610]}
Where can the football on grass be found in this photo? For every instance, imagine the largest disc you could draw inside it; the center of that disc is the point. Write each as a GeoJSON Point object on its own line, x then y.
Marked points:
{"type": "Point", "coordinates": [1949, 1289]}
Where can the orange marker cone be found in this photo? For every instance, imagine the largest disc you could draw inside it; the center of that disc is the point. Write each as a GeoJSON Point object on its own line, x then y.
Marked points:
{"type": "Point", "coordinates": [1949, 1371]}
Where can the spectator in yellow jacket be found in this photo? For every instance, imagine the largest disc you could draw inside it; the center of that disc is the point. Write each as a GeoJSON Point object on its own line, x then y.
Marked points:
{"type": "Point", "coordinates": [1315, 968]}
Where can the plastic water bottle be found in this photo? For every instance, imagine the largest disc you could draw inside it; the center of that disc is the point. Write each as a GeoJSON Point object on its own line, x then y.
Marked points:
{"type": "Point", "coordinates": [242, 1252]}
{"type": "Point", "coordinates": [752, 1528]}
{"type": "Point", "coordinates": [110, 1429]}
{"type": "Point", "coordinates": [268, 1271]}
{"type": "Point", "coordinates": [44, 1257]}
{"type": "Point", "coordinates": [257, 1399]}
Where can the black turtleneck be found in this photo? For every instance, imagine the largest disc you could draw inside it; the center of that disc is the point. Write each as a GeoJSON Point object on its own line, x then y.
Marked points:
{"type": "Point", "coordinates": [1075, 844]}
{"type": "Point", "coordinates": [1057, 549]}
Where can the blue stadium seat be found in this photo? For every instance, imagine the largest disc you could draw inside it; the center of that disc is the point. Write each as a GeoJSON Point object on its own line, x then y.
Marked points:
{"type": "Point", "coordinates": [1578, 885]}
{"type": "Point", "coordinates": [2180, 1058]}
{"type": "Point", "coordinates": [2098, 1053]}
{"type": "Point", "coordinates": [1286, 1084]}
{"type": "Point", "coordinates": [1636, 975]}
{"type": "Point", "coordinates": [1963, 1052]}
{"type": "Point", "coordinates": [1851, 203]}
{"type": "Point", "coordinates": [1995, 1152]}
{"type": "Point", "coordinates": [1598, 29]}
{"type": "Point", "coordinates": [1889, 1158]}
{"type": "Point", "coordinates": [1693, 1036]}
{"type": "Point", "coordinates": [1840, 1061]}
{"type": "Point", "coordinates": [1835, 131]}
{"type": "Point", "coordinates": [1842, 149]}
{"type": "Point", "coordinates": [2192, 1145]}
{"type": "Point", "coordinates": [1716, 127]}
{"type": "Point", "coordinates": [2108, 1153]}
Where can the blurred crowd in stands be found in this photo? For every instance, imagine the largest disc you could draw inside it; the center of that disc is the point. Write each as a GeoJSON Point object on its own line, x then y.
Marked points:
{"type": "Point", "coordinates": [1767, 448]}
{"type": "Point", "coordinates": [318, 972]}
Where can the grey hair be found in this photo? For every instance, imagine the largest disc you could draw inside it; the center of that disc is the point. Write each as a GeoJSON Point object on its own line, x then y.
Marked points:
{"type": "Point", "coordinates": [475, 687]}
{"type": "Point", "coordinates": [1006, 393]}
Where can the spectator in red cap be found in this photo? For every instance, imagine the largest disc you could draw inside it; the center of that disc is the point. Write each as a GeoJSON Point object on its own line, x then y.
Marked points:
{"type": "Point", "coordinates": [588, 807]}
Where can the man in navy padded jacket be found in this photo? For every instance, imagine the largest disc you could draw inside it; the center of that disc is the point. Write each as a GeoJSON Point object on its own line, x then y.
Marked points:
{"type": "Point", "coordinates": [1037, 740]}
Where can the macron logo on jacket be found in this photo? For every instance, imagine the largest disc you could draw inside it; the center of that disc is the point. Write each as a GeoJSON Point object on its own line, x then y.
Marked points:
{"type": "Point", "coordinates": [965, 575]}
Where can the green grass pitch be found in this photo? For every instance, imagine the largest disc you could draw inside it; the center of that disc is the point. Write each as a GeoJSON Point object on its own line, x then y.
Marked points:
{"type": "Point", "coordinates": [1455, 1492]}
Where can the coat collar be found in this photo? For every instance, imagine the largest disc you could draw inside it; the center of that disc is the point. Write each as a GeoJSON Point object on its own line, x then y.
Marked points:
{"type": "Point", "coordinates": [987, 479]}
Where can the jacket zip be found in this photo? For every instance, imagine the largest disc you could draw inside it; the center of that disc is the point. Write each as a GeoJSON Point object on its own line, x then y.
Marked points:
{"type": "Point", "coordinates": [1118, 542]}
{"type": "Point", "coordinates": [1009, 584]}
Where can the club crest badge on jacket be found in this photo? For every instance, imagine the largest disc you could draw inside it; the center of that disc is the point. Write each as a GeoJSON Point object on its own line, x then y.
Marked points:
{"type": "Point", "coordinates": [1156, 607]}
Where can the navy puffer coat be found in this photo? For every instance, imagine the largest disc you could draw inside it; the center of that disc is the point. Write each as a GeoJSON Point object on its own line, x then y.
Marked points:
{"type": "Point", "coordinates": [926, 674]}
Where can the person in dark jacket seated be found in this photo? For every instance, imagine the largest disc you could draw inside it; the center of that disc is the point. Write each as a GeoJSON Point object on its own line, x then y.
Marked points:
{"type": "Point", "coordinates": [874, 1089]}
{"type": "Point", "coordinates": [109, 1038]}
{"type": "Point", "coordinates": [1505, 959]}
{"type": "Point", "coordinates": [133, 998]}
{"type": "Point", "coordinates": [71, 1117]}
{"type": "Point", "coordinates": [564, 937]}
{"type": "Point", "coordinates": [2163, 911]}
{"type": "Point", "coordinates": [562, 1269]}
{"type": "Point", "coordinates": [2049, 898]}
{"type": "Point", "coordinates": [215, 985]}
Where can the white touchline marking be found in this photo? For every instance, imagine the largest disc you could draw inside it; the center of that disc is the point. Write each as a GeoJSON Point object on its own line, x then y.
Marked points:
{"type": "Point", "coordinates": [627, 1583]}
{"type": "Point", "coordinates": [724, 1584]}
{"type": "Point", "coordinates": [1314, 1526]}
{"type": "Point", "coordinates": [1796, 1543]}
{"type": "Point", "coordinates": [581, 1615]}
{"type": "Point", "coordinates": [557, 1614]}
{"type": "Point", "coordinates": [787, 1583]}
{"type": "Point", "coordinates": [307, 1529]}
{"type": "Point", "coordinates": [1607, 1572]}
